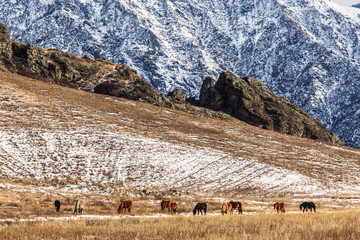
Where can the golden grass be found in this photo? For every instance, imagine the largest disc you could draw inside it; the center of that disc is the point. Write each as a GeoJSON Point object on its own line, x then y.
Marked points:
{"type": "Point", "coordinates": [327, 225]}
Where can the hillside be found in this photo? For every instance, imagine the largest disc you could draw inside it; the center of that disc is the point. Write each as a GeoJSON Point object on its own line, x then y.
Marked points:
{"type": "Point", "coordinates": [305, 50]}
{"type": "Point", "coordinates": [79, 141]}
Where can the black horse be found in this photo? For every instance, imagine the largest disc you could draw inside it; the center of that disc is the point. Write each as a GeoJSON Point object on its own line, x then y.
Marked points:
{"type": "Point", "coordinates": [57, 205]}
{"type": "Point", "coordinates": [200, 207]}
{"type": "Point", "coordinates": [307, 205]}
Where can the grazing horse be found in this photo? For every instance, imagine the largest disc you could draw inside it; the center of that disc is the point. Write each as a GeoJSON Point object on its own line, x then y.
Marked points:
{"type": "Point", "coordinates": [236, 205]}
{"type": "Point", "coordinates": [125, 204]}
{"type": "Point", "coordinates": [226, 208]}
{"type": "Point", "coordinates": [280, 207]}
{"type": "Point", "coordinates": [307, 205]}
{"type": "Point", "coordinates": [200, 207]}
{"type": "Point", "coordinates": [78, 208]}
{"type": "Point", "coordinates": [57, 205]}
{"type": "Point", "coordinates": [165, 204]}
{"type": "Point", "coordinates": [172, 208]}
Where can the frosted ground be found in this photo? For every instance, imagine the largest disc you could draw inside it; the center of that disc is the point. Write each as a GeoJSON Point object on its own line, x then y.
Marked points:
{"type": "Point", "coordinates": [77, 141]}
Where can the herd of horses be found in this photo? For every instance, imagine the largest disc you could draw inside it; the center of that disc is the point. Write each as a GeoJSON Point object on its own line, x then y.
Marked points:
{"type": "Point", "coordinates": [226, 208]}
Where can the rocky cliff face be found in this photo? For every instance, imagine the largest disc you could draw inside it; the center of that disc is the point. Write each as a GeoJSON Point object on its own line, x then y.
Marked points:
{"type": "Point", "coordinates": [250, 101]}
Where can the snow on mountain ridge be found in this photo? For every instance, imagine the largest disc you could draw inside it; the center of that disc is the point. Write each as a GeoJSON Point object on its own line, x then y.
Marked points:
{"type": "Point", "coordinates": [306, 50]}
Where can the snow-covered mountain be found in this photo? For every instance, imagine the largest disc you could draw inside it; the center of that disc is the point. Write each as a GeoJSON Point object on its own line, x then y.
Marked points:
{"type": "Point", "coordinates": [306, 50]}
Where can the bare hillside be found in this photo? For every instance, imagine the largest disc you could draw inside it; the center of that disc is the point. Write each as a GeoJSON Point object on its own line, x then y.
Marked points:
{"type": "Point", "coordinates": [72, 139]}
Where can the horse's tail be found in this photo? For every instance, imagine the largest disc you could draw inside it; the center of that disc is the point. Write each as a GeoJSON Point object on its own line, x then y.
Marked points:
{"type": "Point", "coordinates": [224, 208]}
{"type": "Point", "coordinates": [120, 207]}
{"type": "Point", "coordinates": [282, 207]}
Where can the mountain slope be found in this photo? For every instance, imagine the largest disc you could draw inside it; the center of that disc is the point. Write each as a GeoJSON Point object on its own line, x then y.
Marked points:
{"type": "Point", "coordinates": [304, 50]}
{"type": "Point", "coordinates": [78, 140]}
{"type": "Point", "coordinates": [255, 103]}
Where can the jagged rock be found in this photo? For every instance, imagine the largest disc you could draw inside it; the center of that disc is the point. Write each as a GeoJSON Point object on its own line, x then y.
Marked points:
{"type": "Point", "coordinates": [209, 96]}
{"type": "Point", "coordinates": [5, 45]}
{"type": "Point", "coordinates": [177, 96]}
{"type": "Point", "coordinates": [250, 101]}
{"type": "Point", "coordinates": [193, 101]}
{"type": "Point", "coordinates": [138, 89]}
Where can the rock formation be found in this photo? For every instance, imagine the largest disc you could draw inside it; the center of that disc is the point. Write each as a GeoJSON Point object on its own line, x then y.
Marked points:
{"type": "Point", "coordinates": [250, 101]}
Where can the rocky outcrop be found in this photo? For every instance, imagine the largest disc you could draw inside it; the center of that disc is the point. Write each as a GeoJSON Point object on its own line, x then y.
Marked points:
{"type": "Point", "coordinates": [177, 96]}
{"type": "Point", "coordinates": [209, 96]}
{"type": "Point", "coordinates": [76, 71]}
{"type": "Point", "coordinates": [250, 101]}
{"type": "Point", "coordinates": [137, 89]}
{"type": "Point", "coordinates": [5, 46]}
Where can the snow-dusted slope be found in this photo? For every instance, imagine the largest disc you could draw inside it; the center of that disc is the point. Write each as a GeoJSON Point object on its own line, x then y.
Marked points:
{"type": "Point", "coordinates": [66, 137]}
{"type": "Point", "coordinates": [306, 50]}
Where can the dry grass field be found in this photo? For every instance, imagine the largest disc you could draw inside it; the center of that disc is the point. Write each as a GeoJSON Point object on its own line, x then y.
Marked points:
{"type": "Point", "coordinates": [28, 213]}
{"type": "Point", "coordinates": [325, 225]}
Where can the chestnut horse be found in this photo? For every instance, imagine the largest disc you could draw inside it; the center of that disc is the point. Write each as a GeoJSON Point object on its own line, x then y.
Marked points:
{"type": "Point", "coordinates": [172, 208]}
{"type": "Point", "coordinates": [236, 205]}
{"type": "Point", "coordinates": [280, 207]}
{"type": "Point", "coordinates": [165, 204]}
{"type": "Point", "coordinates": [226, 208]}
{"type": "Point", "coordinates": [125, 204]}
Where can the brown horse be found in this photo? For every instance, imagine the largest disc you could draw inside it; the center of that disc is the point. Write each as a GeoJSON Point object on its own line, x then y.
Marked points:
{"type": "Point", "coordinates": [125, 204]}
{"type": "Point", "coordinates": [236, 205]}
{"type": "Point", "coordinates": [226, 208]}
{"type": "Point", "coordinates": [172, 208]}
{"type": "Point", "coordinates": [280, 207]}
{"type": "Point", "coordinates": [165, 204]}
